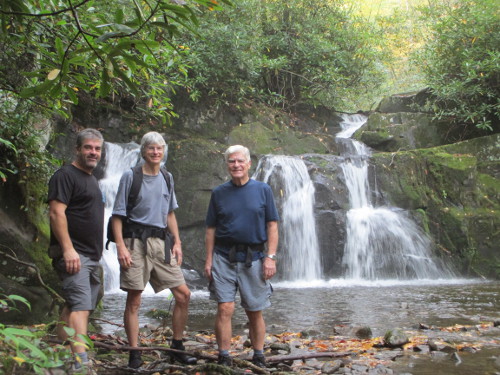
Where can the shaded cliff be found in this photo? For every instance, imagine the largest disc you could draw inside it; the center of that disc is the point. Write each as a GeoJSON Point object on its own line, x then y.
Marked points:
{"type": "Point", "coordinates": [451, 189]}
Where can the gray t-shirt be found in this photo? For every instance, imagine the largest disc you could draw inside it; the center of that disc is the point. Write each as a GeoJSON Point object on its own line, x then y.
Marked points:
{"type": "Point", "coordinates": [153, 203]}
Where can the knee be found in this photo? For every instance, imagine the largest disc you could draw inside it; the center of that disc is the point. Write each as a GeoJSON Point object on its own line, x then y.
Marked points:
{"type": "Point", "coordinates": [225, 310]}
{"type": "Point", "coordinates": [183, 297]}
{"type": "Point", "coordinates": [133, 305]}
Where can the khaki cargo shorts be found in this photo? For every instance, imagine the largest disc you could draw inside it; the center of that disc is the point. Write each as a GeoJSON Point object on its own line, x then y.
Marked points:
{"type": "Point", "coordinates": [150, 267]}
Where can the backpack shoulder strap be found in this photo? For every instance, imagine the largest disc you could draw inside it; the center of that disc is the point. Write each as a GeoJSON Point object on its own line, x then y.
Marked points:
{"type": "Point", "coordinates": [166, 174]}
{"type": "Point", "coordinates": [135, 188]}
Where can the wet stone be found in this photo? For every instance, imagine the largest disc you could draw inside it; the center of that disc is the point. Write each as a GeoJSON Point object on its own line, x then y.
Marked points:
{"type": "Point", "coordinates": [422, 349]}
{"type": "Point", "coordinates": [283, 347]}
{"type": "Point", "coordinates": [331, 367]}
{"type": "Point", "coordinates": [395, 338]}
{"type": "Point", "coordinates": [380, 370]}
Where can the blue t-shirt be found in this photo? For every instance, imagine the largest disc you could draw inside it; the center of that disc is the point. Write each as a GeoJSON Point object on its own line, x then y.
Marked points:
{"type": "Point", "coordinates": [153, 203]}
{"type": "Point", "coordinates": [240, 213]}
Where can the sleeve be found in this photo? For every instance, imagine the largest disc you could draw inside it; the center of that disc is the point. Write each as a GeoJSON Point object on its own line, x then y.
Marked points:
{"type": "Point", "coordinates": [60, 187]}
{"type": "Point", "coordinates": [121, 199]}
{"type": "Point", "coordinates": [211, 219]}
{"type": "Point", "coordinates": [271, 210]}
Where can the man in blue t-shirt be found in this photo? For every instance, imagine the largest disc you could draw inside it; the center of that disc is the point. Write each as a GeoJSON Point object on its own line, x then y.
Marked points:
{"type": "Point", "coordinates": [241, 219]}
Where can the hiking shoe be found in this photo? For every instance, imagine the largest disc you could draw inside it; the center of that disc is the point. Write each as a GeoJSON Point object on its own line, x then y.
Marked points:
{"type": "Point", "coordinates": [259, 360]}
{"type": "Point", "coordinates": [134, 359]}
{"type": "Point", "coordinates": [225, 360]}
{"type": "Point", "coordinates": [83, 368]}
{"type": "Point", "coordinates": [183, 358]}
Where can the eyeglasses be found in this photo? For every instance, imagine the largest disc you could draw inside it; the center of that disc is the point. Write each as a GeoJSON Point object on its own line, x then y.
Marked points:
{"type": "Point", "coordinates": [234, 161]}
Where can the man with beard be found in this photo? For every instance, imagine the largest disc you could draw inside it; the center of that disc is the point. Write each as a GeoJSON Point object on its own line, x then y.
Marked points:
{"type": "Point", "coordinates": [76, 210]}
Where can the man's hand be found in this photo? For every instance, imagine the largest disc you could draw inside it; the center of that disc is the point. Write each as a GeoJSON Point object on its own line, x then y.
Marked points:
{"type": "Point", "coordinates": [72, 261]}
{"type": "Point", "coordinates": [208, 269]}
{"type": "Point", "coordinates": [124, 257]}
{"type": "Point", "coordinates": [269, 268]}
{"type": "Point", "coordinates": [177, 253]}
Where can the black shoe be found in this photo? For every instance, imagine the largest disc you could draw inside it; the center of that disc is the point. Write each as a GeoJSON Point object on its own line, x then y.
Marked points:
{"type": "Point", "coordinates": [183, 357]}
{"type": "Point", "coordinates": [134, 359]}
{"type": "Point", "coordinates": [259, 360]}
{"type": "Point", "coordinates": [225, 360]}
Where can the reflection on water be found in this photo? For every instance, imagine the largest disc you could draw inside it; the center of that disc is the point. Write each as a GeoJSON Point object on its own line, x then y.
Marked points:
{"type": "Point", "coordinates": [319, 307]}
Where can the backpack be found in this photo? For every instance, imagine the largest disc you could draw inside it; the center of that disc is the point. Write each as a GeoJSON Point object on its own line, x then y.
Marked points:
{"type": "Point", "coordinates": [137, 176]}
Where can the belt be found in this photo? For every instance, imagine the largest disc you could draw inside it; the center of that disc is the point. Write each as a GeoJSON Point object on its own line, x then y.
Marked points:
{"type": "Point", "coordinates": [143, 232]}
{"type": "Point", "coordinates": [240, 248]}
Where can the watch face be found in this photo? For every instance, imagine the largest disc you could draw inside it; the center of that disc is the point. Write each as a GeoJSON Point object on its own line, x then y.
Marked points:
{"type": "Point", "coordinates": [273, 256]}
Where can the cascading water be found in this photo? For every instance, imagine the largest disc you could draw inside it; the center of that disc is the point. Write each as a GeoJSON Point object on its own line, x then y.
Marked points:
{"type": "Point", "coordinates": [118, 159]}
{"type": "Point", "coordinates": [381, 243]}
{"type": "Point", "coordinates": [289, 176]}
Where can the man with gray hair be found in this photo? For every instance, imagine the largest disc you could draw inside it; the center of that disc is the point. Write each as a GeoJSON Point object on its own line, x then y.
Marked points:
{"type": "Point", "coordinates": [144, 232]}
{"type": "Point", "coordinates": [76, 211]}
{"type": "Point", "coordinates": [241, 219]}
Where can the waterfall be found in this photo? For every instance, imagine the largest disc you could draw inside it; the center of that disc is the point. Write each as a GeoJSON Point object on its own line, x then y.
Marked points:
{"type": "Point", "coordinates": [382, 242]}
{"type": "Point", "coordinates": [300, 258]}
{"type": "Point", "coordinates": [118, 159]}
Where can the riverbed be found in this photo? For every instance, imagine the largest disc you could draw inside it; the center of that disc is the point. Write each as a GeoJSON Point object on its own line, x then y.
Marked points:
{"type": "Point", "coordinates": [321, 307]}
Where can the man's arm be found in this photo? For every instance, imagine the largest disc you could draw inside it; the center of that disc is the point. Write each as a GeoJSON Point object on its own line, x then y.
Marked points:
{"type": "Point", "coordinates": [59, 226]}
{"type": "Point", "coordinates": [174, 229]}
{"type": "Point", "coordinates": [124, 257]}
{"type": "Point", "coordinates": [272, 246]}
{"type": "Point", "coordinates": [209, 248]}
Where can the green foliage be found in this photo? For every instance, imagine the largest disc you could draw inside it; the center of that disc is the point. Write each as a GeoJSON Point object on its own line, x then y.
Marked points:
{"type": "Point", "coordinates": [52, 50]}
{"type": "Point", "coordinates": [23, 348]}
{"type": "Point", "coordinates": [283, 52]}
{"type": "Point", "coordinates": [24, 154]}
{"type": "Point", "coordinates": [461, 61]}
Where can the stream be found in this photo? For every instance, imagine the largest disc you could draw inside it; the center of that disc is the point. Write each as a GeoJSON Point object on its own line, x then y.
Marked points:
{"type": "Point", "coordinates": [318, 307]}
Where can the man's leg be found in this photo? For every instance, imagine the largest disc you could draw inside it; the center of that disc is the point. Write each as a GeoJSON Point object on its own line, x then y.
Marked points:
{"type": "Point", "coordinates": [257, 336]}
{"type": "Point", "coordinates": [77, 320]}
{"type": "Point", "coordinates": [182, 295]}
{"type": "Point", "coordinates": [257, 329]}
{"type": "Point", "coordinates": [131, 322]}
{"type": "Point", "coordinates": [223, 330]}
{"type": "Point", "coordinates": [131, 316]}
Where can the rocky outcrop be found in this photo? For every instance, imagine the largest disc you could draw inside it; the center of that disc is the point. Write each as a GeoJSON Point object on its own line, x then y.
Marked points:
{"type": "Point", "coordinates": [451, 189]}
{"type": "Point", "coordinates": [455, 190]}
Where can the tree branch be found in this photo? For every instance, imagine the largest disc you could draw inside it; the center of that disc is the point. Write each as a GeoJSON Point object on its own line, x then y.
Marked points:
{"type": "Point", "coordinates": [44, 14]}
{"type": "Point", "coordinates": [17, 260]}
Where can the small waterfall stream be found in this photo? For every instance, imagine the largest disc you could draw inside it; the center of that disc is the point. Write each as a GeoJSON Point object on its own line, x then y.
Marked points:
{"type": "Point", "coordinates": [118, 159]}
{"type": "Point", "coordinates": [382, 242]}
{"type": "Point", "coordinates": [300, 260]}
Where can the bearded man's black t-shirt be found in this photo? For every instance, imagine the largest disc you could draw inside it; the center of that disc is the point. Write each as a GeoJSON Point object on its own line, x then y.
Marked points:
{"type": "Point", "coordinates": [80, 192]}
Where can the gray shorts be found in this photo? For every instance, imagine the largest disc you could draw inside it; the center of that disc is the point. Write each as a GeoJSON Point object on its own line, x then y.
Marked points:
{"type": "Point", "coordinates": [80, 290]}
{"type": "Point", "coordinates": [149, 266]}
{"type": "Point", "coordinates": [228, 278]}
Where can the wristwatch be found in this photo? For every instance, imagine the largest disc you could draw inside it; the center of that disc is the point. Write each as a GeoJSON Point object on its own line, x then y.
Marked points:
{"type": "Point", "coordinates": [271, 256]}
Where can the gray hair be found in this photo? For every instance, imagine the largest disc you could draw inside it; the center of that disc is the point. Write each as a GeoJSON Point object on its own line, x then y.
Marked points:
{"type": "Point", "coordinates": [88, 133]}
{"type": "Point", "coordinates": [152, 138]}
{"type": "Point", "coordinates": [237, 148]}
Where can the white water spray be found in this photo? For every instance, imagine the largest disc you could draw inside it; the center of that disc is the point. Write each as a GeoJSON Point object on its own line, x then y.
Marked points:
{"type": "Point", "coordinates": [300, 258]}
{"type": "Point", "coordinates": [381, 243]}
{"type": "Point", "coordinates": [119, 158]}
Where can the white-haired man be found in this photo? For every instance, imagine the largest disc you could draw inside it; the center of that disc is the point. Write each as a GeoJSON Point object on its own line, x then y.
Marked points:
{"type": "Point", "coordinates": [143, 246]}
{"type": "Point", "coordinates": [241, 219]}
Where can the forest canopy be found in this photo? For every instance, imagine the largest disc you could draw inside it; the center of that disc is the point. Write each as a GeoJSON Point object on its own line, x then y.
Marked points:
{"type": "Point", "coordinates": [342, 54]}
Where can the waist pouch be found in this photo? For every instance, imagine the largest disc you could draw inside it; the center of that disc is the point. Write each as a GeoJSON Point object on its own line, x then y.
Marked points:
{"type": "Point", "coordinates": [234, 248]}
{"type": "Point", "coordinates": [143, 232]}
